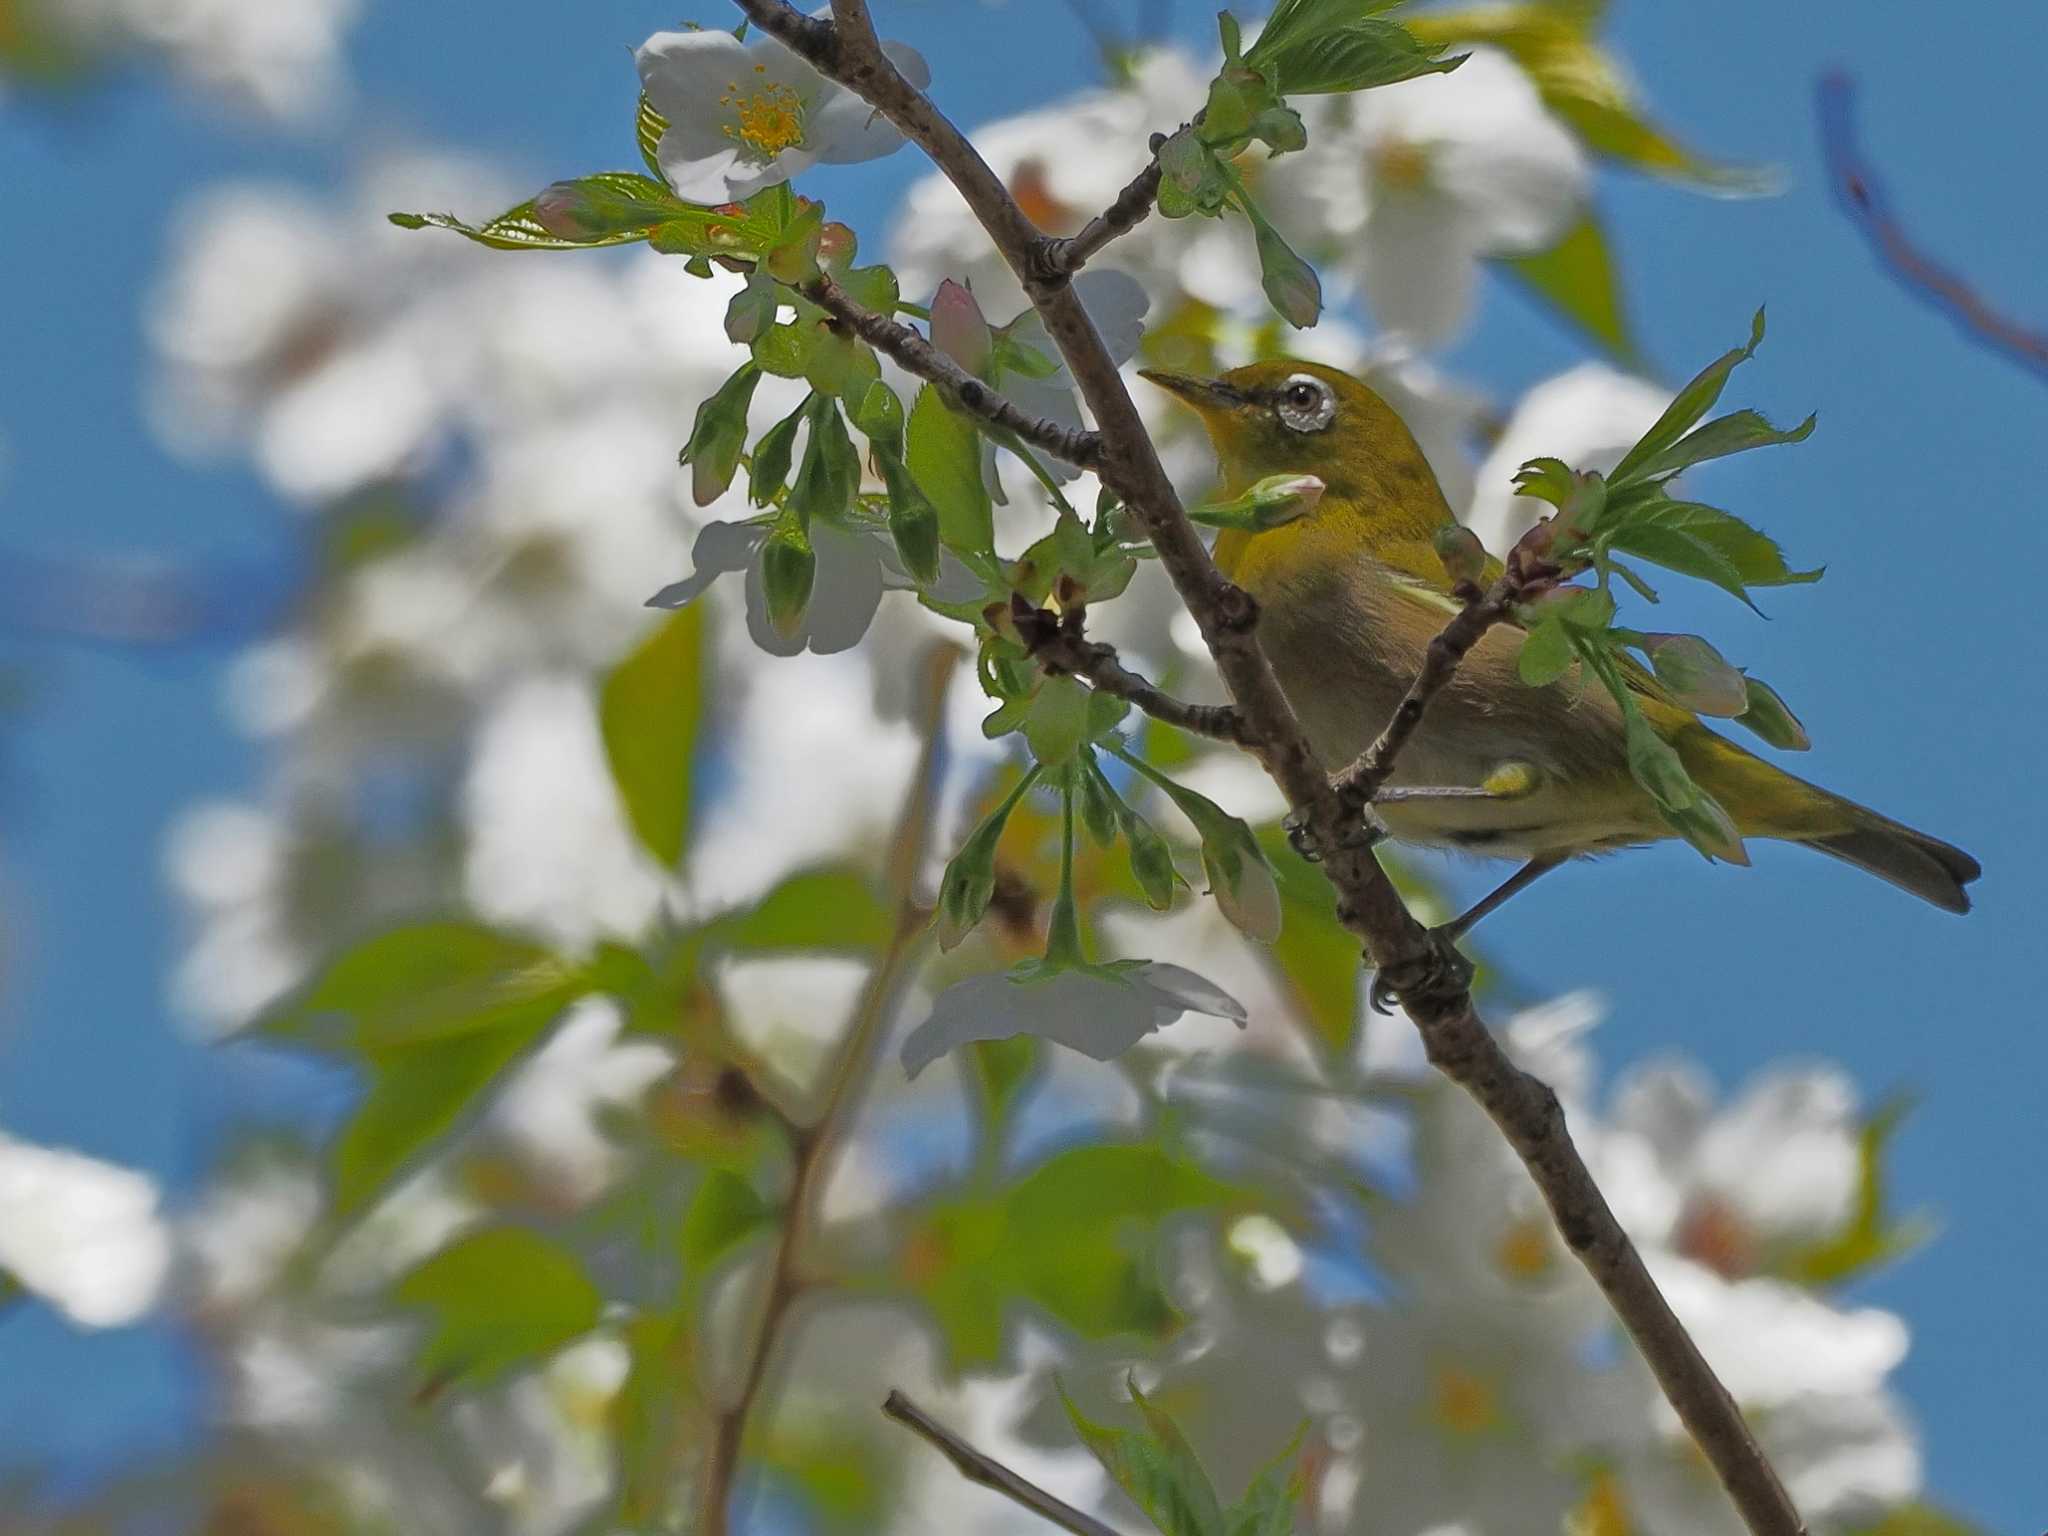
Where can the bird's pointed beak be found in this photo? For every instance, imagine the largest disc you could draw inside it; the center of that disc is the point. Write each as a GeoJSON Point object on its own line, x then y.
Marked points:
{"type": "Point", "coordinates": [1205, 395]}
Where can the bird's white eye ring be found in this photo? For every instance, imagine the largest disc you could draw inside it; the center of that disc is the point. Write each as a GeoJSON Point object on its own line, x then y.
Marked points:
{"type": "Point", "coordinates": [1306, 403]}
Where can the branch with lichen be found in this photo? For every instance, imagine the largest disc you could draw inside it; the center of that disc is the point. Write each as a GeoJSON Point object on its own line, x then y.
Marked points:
{"type": "Point", "coordinates": [1058, 644]}
{"type": "Point", "coordinates": [1435, 995]}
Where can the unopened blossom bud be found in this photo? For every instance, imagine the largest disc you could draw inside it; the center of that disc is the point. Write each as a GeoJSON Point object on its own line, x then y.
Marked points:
{"type": "Point", "coordinates": [1464, 557]}
{"type": "Point", "coordinates": [1699, 679]}
{"type": "Point", "coordinates": [1291, 284]}
{"type": "Point", "coordinates": [1767, 715]}
{"type": "Point", "coordinates": [837, 246]}
{"type": "Point", "coordinates": [788, 567]}
{"type": "Point", "coordinates": [959, 329]}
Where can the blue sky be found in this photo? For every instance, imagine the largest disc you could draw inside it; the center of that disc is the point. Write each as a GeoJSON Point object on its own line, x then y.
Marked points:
{"type": "Point", "coordinates": [1918, 488]}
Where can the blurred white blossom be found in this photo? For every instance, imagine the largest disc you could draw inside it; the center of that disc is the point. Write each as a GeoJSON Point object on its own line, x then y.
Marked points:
{"type": "Point", "coordinates": [281, 59]}
{"type": "Point", "coordinates": [1588, 416]}
{"type": "Point", "coordinates": [82, 1234]}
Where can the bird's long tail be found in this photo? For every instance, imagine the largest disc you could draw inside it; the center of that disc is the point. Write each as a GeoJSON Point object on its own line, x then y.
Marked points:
{"type": "Point", "coordinates": [1766, 801]}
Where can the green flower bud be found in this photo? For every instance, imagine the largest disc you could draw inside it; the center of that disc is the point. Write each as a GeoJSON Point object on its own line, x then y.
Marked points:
{"type": "Point", "coordinates": [1241, 880]}
{"type": "Point", "coordinates": [1151, 861]}
{"type": "Point", "coordinates": [1098, 810]}
{"type": "Point", "coordinates": [1710, 829]}
{"type": "Point", "coordinates": [772, 456]}
{"type": "Point", "coordinates": [719, 436]}
{"type": "Point", "coordinates": [969, 883]}
{"type": "Point", "coordinates": [1658, 768]}
{"type": "Point", "coordinates": [1280, 129]}
{"type": "Point", "coordinates": [1699, 679]}
{"type": "Point", "coordinates": [1058, 721]}
{"type": "Point", "coordinates": [1767, 715]}
{"type": "Point", "coordinates": [1291, 285]}
{"type": "Point", "coordinates": [1275, 500]}
{"type": "Point", "coordinates": [788, 567]}
{"type": "Point", "coordinates": [913, 520]}
{"type": "Point", "coordinates": [1464, 557]}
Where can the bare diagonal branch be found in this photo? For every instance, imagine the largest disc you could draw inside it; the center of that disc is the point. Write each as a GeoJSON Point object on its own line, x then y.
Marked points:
{"type": "Point", "coordinates": [1440, 1003]}
{"type": "Point", "coordinates": [1063, 257]}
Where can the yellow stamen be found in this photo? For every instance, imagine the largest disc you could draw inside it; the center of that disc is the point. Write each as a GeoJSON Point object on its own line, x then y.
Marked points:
{"type": "Point", "coordinates": [767, 119]}
{"type": "Point", "coordinates": [1398, 163]}
{"type": "Point", "coordinates": [1525, 1252]}
{"type": "Point", "coordinates": [1463, 1403]}
{"type": "Point", "coordinates": [1602, 1512]}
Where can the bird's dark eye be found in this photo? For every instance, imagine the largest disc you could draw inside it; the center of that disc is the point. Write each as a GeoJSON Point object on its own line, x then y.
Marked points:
{"type": "Point", "coordinates": [1306, 403]}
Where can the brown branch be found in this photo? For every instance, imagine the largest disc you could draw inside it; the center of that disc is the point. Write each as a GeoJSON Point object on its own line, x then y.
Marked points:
{"type": "Point", "coordinates": [1057, 644]}
{"type": "Point", "coordinates": [1360, 783]}
{"type": "Point", "coordinates": [1865, 202]}
{"type": "Point", "coordinates": [1456, 1040]}
{"type": "Point", "coordinates": [1076, 445]}
{"type": "Point", "coordinates": [818, 1143]}
{"type": "Point", "coordinates": [1062, 257]}
{"type": "Point", "coordinates": [990, 1473]}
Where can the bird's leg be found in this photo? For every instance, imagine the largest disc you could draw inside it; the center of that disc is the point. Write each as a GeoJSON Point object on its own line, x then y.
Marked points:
{"type": "Point", "coordinates": [1439, 968]}
{"type": "Point", "coordinates": [1495, 899]}
{"type": "Point", "coordinates": [1365, 834]}
{"type": "Point", "coordinates": [1443, 966]}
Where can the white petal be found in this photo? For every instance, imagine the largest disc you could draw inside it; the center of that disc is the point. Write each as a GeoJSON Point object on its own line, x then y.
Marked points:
{"type": "Point", "coordinates": [1116, 302]}
{"type": "Point", "coordinates": [685, 73]}
{"type": "Point", "coordinates": [1094, 1014]}
{"type": "Point", "coordinates": [1195, 994]}
{"type": "Point", "coordinates": [82, 1234]}
{"type": "Point", "coordinates": [1588, 417]}
{"type": "Point", "coordinates": [848, 589]}
{"type": "Point", "coordinates": [1419, 266]}
{"type": "Point", "coordinates": [721, 548]}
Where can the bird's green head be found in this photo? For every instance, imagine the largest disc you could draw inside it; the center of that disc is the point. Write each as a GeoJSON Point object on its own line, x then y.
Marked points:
{"type": "Point", "coordinates": [1289, 417]}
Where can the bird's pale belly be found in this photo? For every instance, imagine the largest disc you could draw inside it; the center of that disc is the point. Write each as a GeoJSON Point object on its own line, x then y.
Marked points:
{"type": "Point", "coordinates": [1580, 797]}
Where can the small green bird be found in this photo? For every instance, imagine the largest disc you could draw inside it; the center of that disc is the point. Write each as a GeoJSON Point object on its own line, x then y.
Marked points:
{"type": "Point", "coordinates": [1350, 596]}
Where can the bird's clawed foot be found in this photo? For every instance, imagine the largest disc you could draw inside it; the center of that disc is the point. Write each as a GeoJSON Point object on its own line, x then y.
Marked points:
{"type": "Point", "coordinates": [1303, 840]}
{"type": "Point", "coordinates": [1440, 970]}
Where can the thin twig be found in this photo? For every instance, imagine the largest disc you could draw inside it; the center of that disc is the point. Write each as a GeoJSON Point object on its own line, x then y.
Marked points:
{"type": "Point", "coordinates": [818, 1144]}
{"type": "Point", "coordinates": [1436, 999]}
{"type": "Point", "coordinates": [1076, 445]}
{"type": "Point", "coordinates": [1863, 198]}
{"type": "Point", "coordinates": [1064, 256]}
{"type": "Point", "coordinates": [1360, 783]}
{"type": "Point", "coordinates": [1060, 647]}
{"type": "Point", "coordinates": [990, 1473]}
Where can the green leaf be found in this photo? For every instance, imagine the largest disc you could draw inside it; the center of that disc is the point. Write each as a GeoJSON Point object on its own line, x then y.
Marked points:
{"type": "Point", "coordinates": [1582, 84]}
{"type": "Point", "coordinates": [1057, 722]}
{"type": "Point", "coordinates": [833, 910]}
{"type": "Point", "coordinates": [648, 127]}
{"type": "Point", "coordinates": [418, 1096]}
{"type": "Point", "coordinates": [1158, 1469]}
{"type": "Point", "coordinates": [1353, 57]}
{"type": "Point", "coordinates": [1686, 408]}
{"type": "Point", "coordinates": [423, 983]}
{"type": "Point", "coordinates": [725, 1211]}
{"type": "Point", "coordinates": [943, 453]}
{"type": "Point", "coordinates": [1918, 1519]}
{"type": "Point", "coordinates": [1268, 1505]}
{"type": "Point", "coordinates": [658, 1411]}
{"type": "Point", "coordinates": [1679, 550]}
{"type": "Point", "coordinates": [1546, 654]}
{"type": "Point", "coordinates": [501, 1300]}
{"type": "Point", "coordinates": [1577, 277]}
{"type": "Point", "coordinates": [650, 709]}
{"type": "Point", "coordinates": [1754, 555]}
{"type": "Point", "coordinates": [879, 418]}
{"type": "Point", "coordinates": [1873, 1235]}
{"type": "Point", "coordinates": [610, 208]}
{"type": "Point", "coordinates": [1737, 432]}
{"type": "Point", "coordinates": [1076, 1236]}
{"type": "Point", "coordinates": [784, 350]}
{"type": "Point", "coordinates": [1315, 956]}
